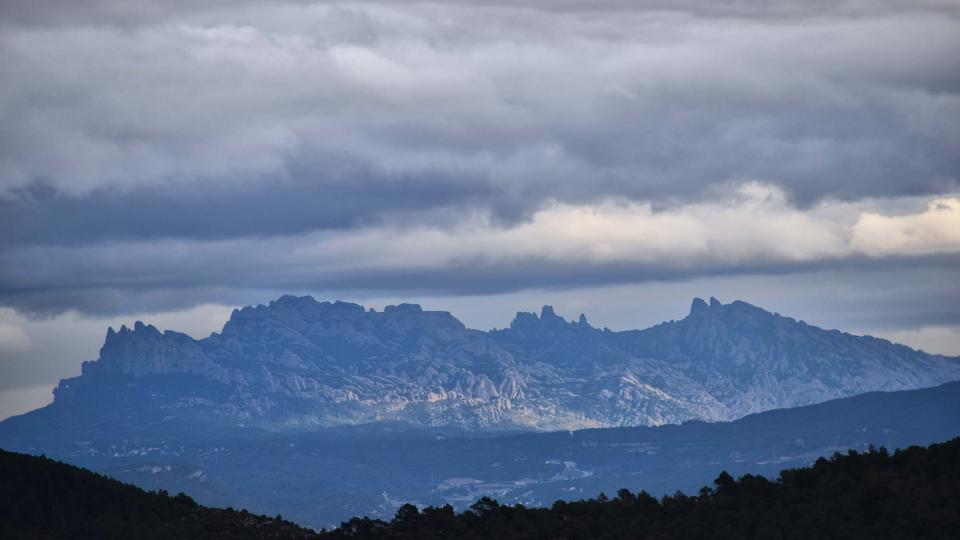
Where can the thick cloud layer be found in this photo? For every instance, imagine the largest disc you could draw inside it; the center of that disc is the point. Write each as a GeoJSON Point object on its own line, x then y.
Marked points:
{"type": "Point", "coordinates": [157, 155]}
{"type": "Point", "coordinates": [754, 230]}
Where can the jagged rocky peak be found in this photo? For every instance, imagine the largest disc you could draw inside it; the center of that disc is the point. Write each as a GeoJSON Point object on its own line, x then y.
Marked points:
{"type": "Point", "coordinates": [717, 331]}
{"type": "Point", "coordinates": [738, 309]}
{"type": "Point", "coordinates": [528, 321]}
{"type": "Point", "coordinates": [309, 309]}
{"type": "Point", "coordinates": [139, 329]}
{"type": "Point", "coordinates": [327, 333]}
{"type": "Point", "coordinates": [699, 306]}
{"type": "Point", "coordinates": [340, 362]}
{"type": "Point", "coordinates": [310, 306]}
{"type": "Point", "coordinates": [127, 338]}
{"type": "Point", "coordinates": [717, 325]}
{"type": "Point", "coordinates": [404, 308]}
{"type": "Point", "coordinates": [292, 311]}
{"type": "Point", "coordinates": [292, 300]}
{"type": "Point", "coordinates": [548, 322]}
{"type": "Point", "coordinates": [407, 318]}
{"type": "Point", "coordinates": [550, 319]}
{"type": "Point", "coordinates": [144, 350]}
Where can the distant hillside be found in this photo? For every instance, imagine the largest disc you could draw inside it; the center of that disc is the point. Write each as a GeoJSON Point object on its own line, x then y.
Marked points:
{"type": "Point", "coordinates": [321, 477]}
{"type": "Point", "coordinates": [41, 498]}
{"type": "Point", "coordinates": [302, 364]}
{"type": "Point", "coordinates": [914, 493]}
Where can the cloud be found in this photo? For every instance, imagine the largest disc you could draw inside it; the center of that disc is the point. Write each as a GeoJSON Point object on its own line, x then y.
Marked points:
{"type": "Point", "coordinates": [754, 229]}
{"type": "Point", "coordinates": [932, 339]}
{"type": "Point", "coordinates": [936, 229]}
{"type": "Point", "coordinates": [145, 11]}
{"type": "Point", "coordinates": [497, 107]}
{"type": "Point", "coordinates": [755, 226]}
{"type": "Point", "coordinates": [13, 338]}
{"type": "Point", "coordinates": [154, 155]}
{"type": "Point", "coordinates": [51, 348]}
{"type": "Point", "coordinates": [22, 400]}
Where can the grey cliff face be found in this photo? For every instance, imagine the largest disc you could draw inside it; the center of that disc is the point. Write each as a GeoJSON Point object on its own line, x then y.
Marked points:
{"type": "Point", "coordinates": [298, 363]}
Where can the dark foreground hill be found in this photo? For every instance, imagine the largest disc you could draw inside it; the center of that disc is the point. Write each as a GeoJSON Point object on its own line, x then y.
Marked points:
{"type": "Point", "coordinates": [41, 498]}
{"type": "Point", "coordinates": [914, 493]}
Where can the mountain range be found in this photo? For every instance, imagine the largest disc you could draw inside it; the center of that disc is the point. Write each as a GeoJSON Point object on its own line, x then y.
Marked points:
{"type": "Point", "coordinates": [301, 364]}
{"type": "Point", "coordinates": [322, 411]}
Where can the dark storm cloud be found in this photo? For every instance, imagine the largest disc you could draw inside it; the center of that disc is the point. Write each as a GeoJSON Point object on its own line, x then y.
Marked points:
{"type": "Point", "coordinates": [929, 301]}
{"type": "Point", "coordinates": [39, 214]}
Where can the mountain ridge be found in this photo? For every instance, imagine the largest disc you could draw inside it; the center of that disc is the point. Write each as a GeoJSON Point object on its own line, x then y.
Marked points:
{"type": "Point", "coordinates": [297, 362]}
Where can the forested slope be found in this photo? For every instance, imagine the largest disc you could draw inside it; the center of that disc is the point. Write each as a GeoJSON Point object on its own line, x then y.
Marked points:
{"type": "Point", "coordinates": [41, 498]}
{"type": "Point", "coordinates": [913, 493]}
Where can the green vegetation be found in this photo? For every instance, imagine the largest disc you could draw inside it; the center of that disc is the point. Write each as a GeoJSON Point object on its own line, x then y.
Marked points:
{"type": "Point", "coordinates": [41, 498]}
{"type": "Point", "coordinates": [914, 493]}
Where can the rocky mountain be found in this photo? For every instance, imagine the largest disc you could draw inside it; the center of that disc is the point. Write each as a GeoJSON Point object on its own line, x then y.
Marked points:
{"type": "Point", "coordinates": [299, 363]}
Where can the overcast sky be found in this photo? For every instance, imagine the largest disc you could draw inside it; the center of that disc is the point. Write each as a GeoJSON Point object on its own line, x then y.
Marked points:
{"type": "Point", "coordinates": [169, 160]}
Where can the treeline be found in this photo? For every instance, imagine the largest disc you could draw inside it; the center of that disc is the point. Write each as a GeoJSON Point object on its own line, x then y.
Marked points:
{"type": "Point", "coordinates": [913, 493]}
{"type": "Point", "coordinates": [41, 498]}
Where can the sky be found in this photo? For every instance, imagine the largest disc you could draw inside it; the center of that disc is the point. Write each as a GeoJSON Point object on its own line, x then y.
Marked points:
{"type": "Point", "coordinates": [167, 161]}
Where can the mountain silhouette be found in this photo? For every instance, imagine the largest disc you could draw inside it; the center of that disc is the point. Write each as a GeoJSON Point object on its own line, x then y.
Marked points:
{"type": "Point", "coordinates": [299, 363]}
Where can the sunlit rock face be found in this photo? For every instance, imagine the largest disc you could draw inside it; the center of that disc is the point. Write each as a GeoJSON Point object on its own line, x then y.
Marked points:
{"type": "Point", "coordinates": [299, 363]}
